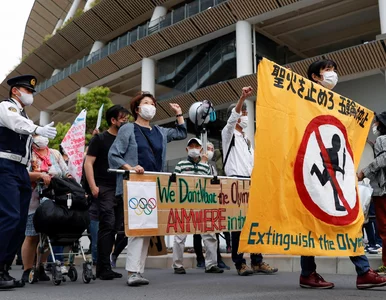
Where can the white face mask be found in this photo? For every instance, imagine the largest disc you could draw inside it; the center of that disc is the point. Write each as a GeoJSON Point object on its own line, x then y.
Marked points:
{"type": "Point", "coordinates": [243, 122]}
{"type": "Point", "coordinates": [210, 155]}
{"type": "Point", "coordinates": [330, 79]}
{"type": "Point", "coordinates": [376, 132]}
{"type": "Point", "coordinates": [193, 152]}
{"type": "Point", "coordinates": [40, 142]}
{"type": "Point", "coordinates": [26, 99]}
{"type": "Point", "coordinates": [147, 111]}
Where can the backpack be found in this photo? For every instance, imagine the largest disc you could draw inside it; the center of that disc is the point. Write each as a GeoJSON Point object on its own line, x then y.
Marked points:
{"type": "Point", "coordinates": [60, 189]}
{"type": "Point", "coordinates": [52, 218]}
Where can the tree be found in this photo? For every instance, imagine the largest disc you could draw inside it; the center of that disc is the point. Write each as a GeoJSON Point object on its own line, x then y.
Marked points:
{"type": "Point", "coordinates": [92, 101]}
{"type": "Point", "coordinates": [62, 130]}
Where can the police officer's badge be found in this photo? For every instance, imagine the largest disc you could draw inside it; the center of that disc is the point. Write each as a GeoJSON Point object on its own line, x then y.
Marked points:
{"type": "Point", "coordinates": [33, 81]}
{"type": "Point", "coordinates": [12, 109]}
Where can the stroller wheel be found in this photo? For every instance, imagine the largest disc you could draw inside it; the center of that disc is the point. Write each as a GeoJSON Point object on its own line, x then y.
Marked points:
{"type": "Point", "coordinates": [57, 282]}
{"type": "Point", "coordinates": [85, 278]}
{"type": "Point", "coordinates": [32, 276]}
{"type": "Point", "coordinates": [72, 274]}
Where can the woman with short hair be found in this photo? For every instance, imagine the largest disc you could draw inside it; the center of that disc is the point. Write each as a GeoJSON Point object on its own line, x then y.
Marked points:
{"type": "Point", "coordinates": [141, 147]}
{"type": "Point", "coordinates": [45, 163]}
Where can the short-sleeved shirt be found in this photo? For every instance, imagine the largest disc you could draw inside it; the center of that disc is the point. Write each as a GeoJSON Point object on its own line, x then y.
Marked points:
{"type": "Point", "coordinates": [99, 148]}
{"type": "Point", "coordinates": [149, 143]}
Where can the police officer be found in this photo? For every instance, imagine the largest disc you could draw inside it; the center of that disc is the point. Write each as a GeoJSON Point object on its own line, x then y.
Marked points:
{"type": "Point", "coordinates": [16, 132]}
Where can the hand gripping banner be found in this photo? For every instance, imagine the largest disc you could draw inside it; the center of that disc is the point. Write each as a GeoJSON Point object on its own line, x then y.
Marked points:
{"type": "Point", "coordinates": [303, 195]}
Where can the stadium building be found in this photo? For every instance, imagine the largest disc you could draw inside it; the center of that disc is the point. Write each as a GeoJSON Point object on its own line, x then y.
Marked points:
{"type": "Point", "coordinates": [188, 51]}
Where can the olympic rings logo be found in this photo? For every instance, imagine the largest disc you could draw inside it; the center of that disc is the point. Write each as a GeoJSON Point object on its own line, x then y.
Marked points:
{"type": "Point", "coordinates": [142, 205]}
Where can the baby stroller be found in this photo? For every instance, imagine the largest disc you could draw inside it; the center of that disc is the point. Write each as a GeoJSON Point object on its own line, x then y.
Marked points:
{"type": "Point", "coordinates": [61, 221]}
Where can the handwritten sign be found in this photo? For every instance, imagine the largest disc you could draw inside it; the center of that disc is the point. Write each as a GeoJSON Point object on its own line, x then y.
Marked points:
{"type": "Point", "coordinates": [189, 205]}
{"type": "Point", "coordinates": [304, 199]}
{"type": "Point", "coordinates": [73, 144]}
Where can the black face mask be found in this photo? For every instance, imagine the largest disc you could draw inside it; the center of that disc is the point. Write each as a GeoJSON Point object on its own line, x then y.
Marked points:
{"type": "Point", "coordinates": [122, 123]}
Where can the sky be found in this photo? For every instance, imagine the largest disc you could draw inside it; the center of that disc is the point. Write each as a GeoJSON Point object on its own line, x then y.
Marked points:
{"type": "Point", "coordinates": [13, 18]}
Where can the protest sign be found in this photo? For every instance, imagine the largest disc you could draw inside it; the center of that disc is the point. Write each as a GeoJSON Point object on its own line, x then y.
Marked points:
{"type": "Point", "coordinates": [73, 145]}
{"type": "Point", "coordinates": [99, 120]}
{"type": "Point", "coordinates": [309, 142]}
{"type": "Point", "coordinates": [157, 205]}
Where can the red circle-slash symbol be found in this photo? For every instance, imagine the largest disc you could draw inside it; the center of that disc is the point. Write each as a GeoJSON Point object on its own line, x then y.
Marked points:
{"type": "Point", "coordinates": [313, 127]}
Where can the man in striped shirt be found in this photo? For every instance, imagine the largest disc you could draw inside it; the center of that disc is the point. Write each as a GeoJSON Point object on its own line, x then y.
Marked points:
{"type": "Point", "coordinates": [195, 164]}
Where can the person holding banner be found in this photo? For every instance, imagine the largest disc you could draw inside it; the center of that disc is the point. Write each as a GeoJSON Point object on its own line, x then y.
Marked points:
{"type": "Point", "coordinates": [324, 73]}
{"type": "Point", "coordinates": [238, 162]}
{"type": "Point", "coordinates": [106, 207]}
{"type": "Point", "coordinates": [16, 131]}
{"type": "Point", "coordinates": [375, 171]}
{"type": "Point", "coordinates": [141, 147]}
{"type": "Point", "coordinates": [196, 164]}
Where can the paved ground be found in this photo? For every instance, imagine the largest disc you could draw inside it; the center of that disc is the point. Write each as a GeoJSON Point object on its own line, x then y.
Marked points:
{"type": "Point", "coordinates": [194, 285]}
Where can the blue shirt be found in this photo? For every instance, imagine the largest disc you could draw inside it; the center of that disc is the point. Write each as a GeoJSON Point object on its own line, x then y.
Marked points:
{"type": "Point", "coordinates": [149, 143]}
{"type": "Point", "coordinates": [125, 150]}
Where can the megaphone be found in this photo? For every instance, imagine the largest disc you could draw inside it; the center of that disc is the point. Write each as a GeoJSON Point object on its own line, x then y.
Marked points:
{"type": "Point", "coordinates": [201, 113]}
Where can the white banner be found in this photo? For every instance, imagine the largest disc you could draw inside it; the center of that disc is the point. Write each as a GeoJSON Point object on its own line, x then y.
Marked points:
{"type": "Point", "coordinates": [99, 120]}
{"type": "Point", "coordinates": [73, 145]}
{"type": "Point", "coordinates": [142, 205]}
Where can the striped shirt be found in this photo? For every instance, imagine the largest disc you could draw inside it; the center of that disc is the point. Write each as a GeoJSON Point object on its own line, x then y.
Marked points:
{"type": "Point", "coordinates": [189, 167]}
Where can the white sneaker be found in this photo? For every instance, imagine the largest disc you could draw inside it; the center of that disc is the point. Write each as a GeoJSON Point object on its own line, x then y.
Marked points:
{"type": "Point", "coordinates": [136, 279]}
{"type": "Point", "coordinates": [144, 281]}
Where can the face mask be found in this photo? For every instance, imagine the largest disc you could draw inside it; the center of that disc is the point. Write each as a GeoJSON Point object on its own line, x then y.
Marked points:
{"type": "Point", "coordinates": [120, 125]}
{"type": "Point", "coordinates": [330, 79]}
{"type": "Point", "coordinates": [194, 153]}
{"type": "Point", "coordinates": [147, 111]}
{"type": "Point", "coordinates": [243, 122]}
{"type": "Point", "coordinates": [210, 155]}
{"type": "Point", "coordinates": [40, 142]}
{"type": "Point", "coordinates": [376, 132]}
{"type": "Point", "coordinates": [26, 99]}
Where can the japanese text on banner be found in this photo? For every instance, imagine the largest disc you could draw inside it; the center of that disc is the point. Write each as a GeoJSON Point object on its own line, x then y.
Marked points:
{"type": "Point", "coordinates": [303, 190]}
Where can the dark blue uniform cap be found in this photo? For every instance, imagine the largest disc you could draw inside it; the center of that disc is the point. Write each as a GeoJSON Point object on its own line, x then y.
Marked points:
{"type": "Point", "coordinates": [26, 81]}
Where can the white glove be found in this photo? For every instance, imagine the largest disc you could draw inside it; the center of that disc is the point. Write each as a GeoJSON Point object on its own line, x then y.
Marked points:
{"type": "Point", "coordinates": [47, 131]}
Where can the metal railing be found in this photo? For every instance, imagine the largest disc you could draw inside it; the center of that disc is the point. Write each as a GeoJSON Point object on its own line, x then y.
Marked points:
{"type": "Point", "coordinates": [175, 16]}
{"type": "Point", "coordinates": [172, 66]}
{"type": "Point", "coordinates": [223, 51]}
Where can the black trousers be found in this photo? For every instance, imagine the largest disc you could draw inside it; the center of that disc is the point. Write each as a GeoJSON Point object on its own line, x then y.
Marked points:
{"type": "Point", "coordinates": [110, 220]}
{"type": "Point", "coordinates": [238, 258]}
{"type": "Point", "coordinates": [15, 196]}
{"type": "Point", "coordinates": [120, 242]}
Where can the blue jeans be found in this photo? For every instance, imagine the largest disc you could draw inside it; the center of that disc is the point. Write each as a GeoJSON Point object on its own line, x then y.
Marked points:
{"type": "Point", "coordinates": [308, 265]}
{"type": "Point", "coordinates": [372, 232]}
{"type": "Point", "coordinates": [94, 227]}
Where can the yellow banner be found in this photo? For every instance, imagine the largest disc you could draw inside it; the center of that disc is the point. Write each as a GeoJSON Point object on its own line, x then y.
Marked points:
{"type": "Point", "coordinates": [308, 143]}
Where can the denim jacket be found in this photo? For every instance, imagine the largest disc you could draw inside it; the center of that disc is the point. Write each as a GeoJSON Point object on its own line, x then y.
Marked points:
{"type": "Point", "coordinates": [124, 150]}
{"type": "Point", "coordinates": [375, 171]}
